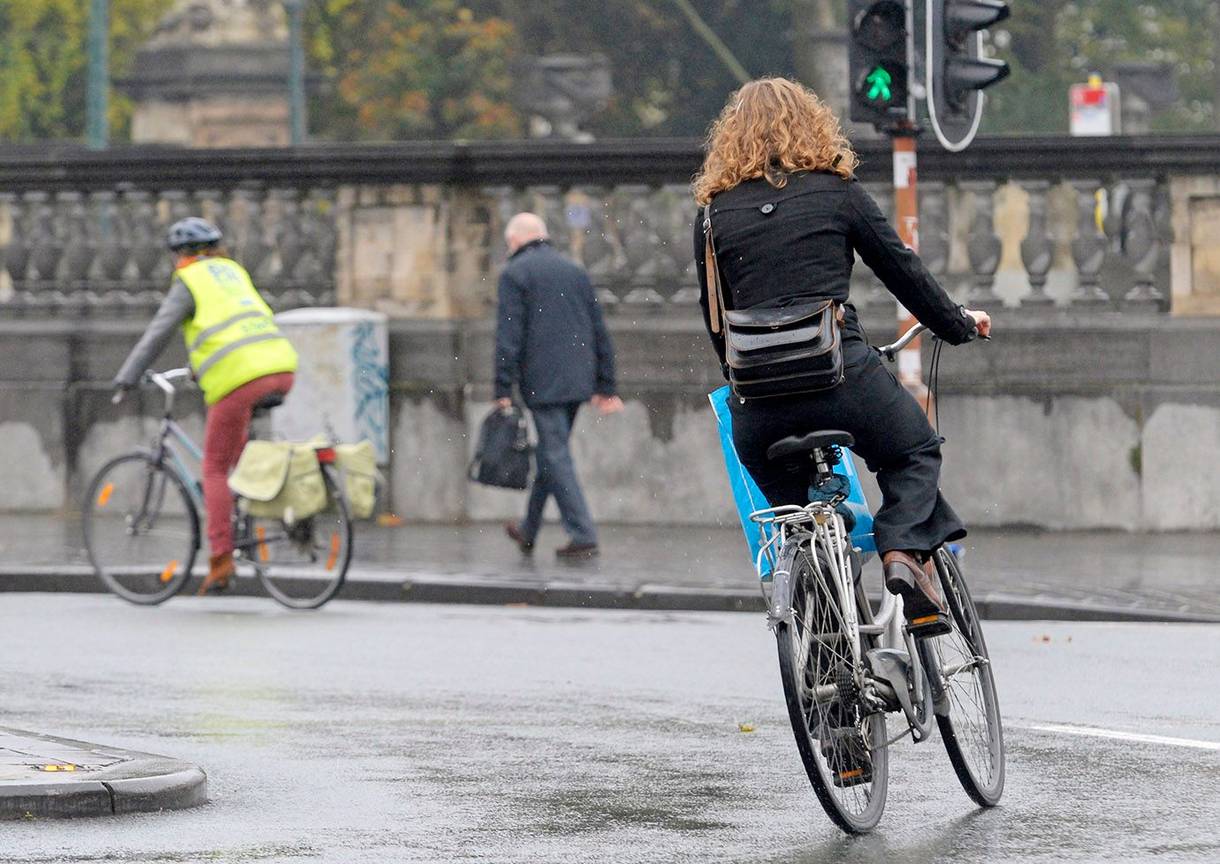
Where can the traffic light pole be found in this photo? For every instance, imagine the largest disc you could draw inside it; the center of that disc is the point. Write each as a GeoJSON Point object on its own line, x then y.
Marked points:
{"type": "Point", "coordinates": [906, 217]}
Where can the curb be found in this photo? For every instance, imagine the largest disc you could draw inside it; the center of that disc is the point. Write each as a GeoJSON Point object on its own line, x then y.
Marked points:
{"type": "Point", "coordinates": [992, 606]}
{"type": "Point", "coordinates": [133, 782]}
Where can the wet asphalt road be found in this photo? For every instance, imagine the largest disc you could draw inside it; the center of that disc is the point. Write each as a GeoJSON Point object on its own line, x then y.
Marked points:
{"type": "Point", "coordinates": [434, 733]}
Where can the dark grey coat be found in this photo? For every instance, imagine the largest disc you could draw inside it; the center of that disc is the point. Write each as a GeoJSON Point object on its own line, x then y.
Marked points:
{"type": "Point", "coordinates": [551, 340]}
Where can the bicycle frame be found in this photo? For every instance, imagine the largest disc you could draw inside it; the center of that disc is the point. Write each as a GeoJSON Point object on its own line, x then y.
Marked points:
{"type": "Point", "coordinates": [171, 432]}
{"type": "Point", "coordinates": [896, 665]}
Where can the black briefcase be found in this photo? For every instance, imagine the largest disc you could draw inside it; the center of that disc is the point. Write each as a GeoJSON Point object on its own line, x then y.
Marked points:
{"type": "Point", "coordinates": [503, 455]}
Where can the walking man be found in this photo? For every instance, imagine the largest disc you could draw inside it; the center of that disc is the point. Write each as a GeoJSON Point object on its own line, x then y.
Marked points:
{"type": "Point", "coordinates": [552, 344]}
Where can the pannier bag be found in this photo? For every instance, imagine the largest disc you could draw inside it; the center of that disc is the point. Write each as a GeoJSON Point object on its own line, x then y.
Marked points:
{"type": "Point", "coordinates": [279, 480]}
{"type": "Point", "coordinates": [774, 351]}
{"type": "Point", "coordinates": [502, 456]}
{"type": "Point", "coordinates": [358, 477]}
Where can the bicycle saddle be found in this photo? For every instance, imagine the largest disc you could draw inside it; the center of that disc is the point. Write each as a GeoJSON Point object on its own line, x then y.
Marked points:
{"type": "Point", "coordinates": [271, 400]}
{"type": "Point", "coordinates": [804, 445]}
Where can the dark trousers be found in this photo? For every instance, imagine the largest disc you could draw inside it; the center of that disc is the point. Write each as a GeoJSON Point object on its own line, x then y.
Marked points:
{"type": "Point", "coordinates": [556, 475]}
{"type": "Point", "coordinates": [892, 435]}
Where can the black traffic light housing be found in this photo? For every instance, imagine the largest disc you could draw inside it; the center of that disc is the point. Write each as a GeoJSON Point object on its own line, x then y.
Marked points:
{"type": "Point", "coordinates": [957, 73]}
{"type": "Point", "coordinates": [879, 62]}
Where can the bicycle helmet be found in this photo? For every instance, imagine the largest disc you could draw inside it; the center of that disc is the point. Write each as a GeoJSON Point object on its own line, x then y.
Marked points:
{"type": "Point", "coordinates": [192, 233]}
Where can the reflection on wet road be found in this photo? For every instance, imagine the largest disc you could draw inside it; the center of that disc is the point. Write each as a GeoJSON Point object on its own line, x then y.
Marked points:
{"type": "Point", "coordinates": [436, 733]}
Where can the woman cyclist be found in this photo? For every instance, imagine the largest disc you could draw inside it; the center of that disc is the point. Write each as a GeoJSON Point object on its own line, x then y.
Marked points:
{"type": "Point", "coordinates": [238, 355]}
{"type": "Point", "coordinates": [787, 217]}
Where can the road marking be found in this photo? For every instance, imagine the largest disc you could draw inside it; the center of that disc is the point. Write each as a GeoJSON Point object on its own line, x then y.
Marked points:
{"type": "Point", "coordinates": [1093, 732]}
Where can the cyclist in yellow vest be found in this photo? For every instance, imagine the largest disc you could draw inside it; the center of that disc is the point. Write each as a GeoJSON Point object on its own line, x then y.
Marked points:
{"type": "Point", "coordinates": [240, 359]}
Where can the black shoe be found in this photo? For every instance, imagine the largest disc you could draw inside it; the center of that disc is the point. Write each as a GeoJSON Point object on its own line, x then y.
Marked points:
{"type": "Point", "coordinates": [514, 534]}
{"type": "Point", "coordinates": [577, 551]}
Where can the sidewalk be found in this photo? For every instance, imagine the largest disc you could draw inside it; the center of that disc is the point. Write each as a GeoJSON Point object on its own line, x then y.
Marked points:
{"type": "Point", "coordinates": [1016, 573]}
{"type": "Point", "coordinates": [46, 777]}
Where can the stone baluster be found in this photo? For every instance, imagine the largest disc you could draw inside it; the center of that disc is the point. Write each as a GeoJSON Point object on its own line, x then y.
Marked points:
{"type": "Point", "coordinates": [254, 249]}
{"type": "Point", "coordinates": [1089, 247]}
{"type": "Point", "coordinates": [601, 250]}
{"type": "Point", "coordinates": [641, 244]}
{"type": "Point", "coordinates": [982, 245]}
{"type": "Point", "coordinates": [322, 205]}
{"type": "Point", "coordinates": [147, 246]}
{"type": "Point", "coordinates": [551, 204]}
{"type": "Point", "coordinates": [45, 239]}
{"type": "Point", "coordinates": [307, 270]}
{"type": "Point", "coordinates": [1141, 245]}
{"type": "Point", "coordinates": [679, 220]}
{"type": "Point", "coordinates": [934, 228]}
{"type": "Point", "coordinates": [82, 241]}
{"type": "Point", "coordinates": [111, 238]}
{"type": "Point", "coordinates": [289, 244]}
{"type": "Point", "coordinates": [209, 204]}
{"type": "Point", "coordinates": [15, 256]}
{"type": "Point", "coordinates": [1037, 248]}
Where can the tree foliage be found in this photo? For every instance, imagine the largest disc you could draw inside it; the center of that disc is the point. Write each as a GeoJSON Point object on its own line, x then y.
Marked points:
{"type": "Point", "coordinates": [1053, 44]}
{"type": "Point", "coordinates": [43, 55]}
{"type": "Point", "coordinates": [403, 69]}
{"type": "Point", "coordinates": [400, 69]}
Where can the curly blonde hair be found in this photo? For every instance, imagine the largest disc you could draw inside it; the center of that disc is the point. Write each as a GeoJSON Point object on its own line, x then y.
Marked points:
{"type": "Point", "coordinates": [770, 128]}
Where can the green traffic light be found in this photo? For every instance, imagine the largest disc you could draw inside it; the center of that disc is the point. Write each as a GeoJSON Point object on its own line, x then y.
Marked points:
{"type": "Point", "coordinates": [879, 81]}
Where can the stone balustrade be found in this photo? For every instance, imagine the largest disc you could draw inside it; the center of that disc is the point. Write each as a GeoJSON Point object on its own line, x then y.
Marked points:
{"type": "Point", "coordinates": [416, 229]}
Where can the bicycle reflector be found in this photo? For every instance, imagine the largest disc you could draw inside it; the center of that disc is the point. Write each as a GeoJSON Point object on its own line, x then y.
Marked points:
{"type": "Point", "coordinates": [326, 455]}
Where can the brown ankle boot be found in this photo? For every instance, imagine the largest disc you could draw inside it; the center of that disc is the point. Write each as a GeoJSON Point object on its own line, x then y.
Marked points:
{"type": "Point", "coordinates": [915, 582]}
{"type": "Point", "coordinates": [222, 569]}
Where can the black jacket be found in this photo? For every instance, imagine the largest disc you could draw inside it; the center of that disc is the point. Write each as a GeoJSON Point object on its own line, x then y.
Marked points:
{"type": "Point", "coordinates": [551, 340]}
{"type": "Point", "coordinates": [777, 246]}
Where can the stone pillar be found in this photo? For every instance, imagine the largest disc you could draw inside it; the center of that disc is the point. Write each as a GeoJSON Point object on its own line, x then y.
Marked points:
{"type": "Point", "coordinates": [1195, 257]}
{"type": "Point", "coordinates": [214, 74]}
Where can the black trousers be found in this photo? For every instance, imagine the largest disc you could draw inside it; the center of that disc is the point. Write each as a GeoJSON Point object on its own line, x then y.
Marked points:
{"type": "Point", "coordinates": [892, 435]}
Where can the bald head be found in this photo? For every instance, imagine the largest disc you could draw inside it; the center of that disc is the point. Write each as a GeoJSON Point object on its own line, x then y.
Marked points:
{"type": "Point", "coordinates": [523, 228]}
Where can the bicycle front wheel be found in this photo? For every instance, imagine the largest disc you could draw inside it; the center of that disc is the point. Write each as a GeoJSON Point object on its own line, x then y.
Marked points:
{"type": "Point", "coordinates": [302, 564]}
{"type": "Point", "coordinates": [843, 749]}
{"type": "Point", "coordinates": [970, 719]}
{"type": "Point", "coordinates": [141, 528]}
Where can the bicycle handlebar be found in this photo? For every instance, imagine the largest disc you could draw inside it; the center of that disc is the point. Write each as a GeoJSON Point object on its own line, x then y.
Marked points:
{"type": "Point", "coordinates": [888, 351]}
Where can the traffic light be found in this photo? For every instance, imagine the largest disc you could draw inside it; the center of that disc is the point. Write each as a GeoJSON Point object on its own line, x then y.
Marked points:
{"type": "Point", "coordinates": [879, 64]}
{"type": "Point", "coordinates": [957, 73]}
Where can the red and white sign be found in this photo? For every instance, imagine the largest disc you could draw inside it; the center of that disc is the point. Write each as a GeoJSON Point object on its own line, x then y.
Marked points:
{"type": "Point", "coordinates": [1095, 108]}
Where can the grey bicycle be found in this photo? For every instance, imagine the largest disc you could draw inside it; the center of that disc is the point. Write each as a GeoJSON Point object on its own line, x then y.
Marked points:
{"type": "Point", "coordinates": [846, 665]}
{"type": "Point", "coordinates": [141, 517]}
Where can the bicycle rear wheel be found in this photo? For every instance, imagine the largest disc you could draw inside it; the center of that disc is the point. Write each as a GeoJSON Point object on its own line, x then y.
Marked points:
{"type": "Point", "coordinates": [843, 750]}
{"type": "Point", "coordinates": [961, 669]}
{"type": "Point", "coordinates": [141, 528]}
{"type": "Point", "coordinates": [302, 564]}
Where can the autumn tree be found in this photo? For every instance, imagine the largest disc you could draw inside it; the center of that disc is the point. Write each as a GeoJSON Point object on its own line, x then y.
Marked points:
{"type": "Point", "coordinates": [402, 69]}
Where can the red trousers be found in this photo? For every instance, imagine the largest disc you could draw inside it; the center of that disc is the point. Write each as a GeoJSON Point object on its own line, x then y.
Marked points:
{"type": "Point", "coordinates": [228, 427]}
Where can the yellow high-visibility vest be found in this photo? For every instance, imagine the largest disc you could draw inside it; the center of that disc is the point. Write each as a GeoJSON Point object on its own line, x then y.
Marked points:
{"type": "Point", "coordinates": [232, 339]}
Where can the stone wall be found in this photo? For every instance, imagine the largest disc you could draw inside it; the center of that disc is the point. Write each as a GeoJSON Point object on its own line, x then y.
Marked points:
{"type": "Point", "coordinates": [1100, 421]}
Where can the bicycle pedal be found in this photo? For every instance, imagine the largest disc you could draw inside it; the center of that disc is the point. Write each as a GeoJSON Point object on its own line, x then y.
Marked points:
{"type": "Point", "coordinates": [935, 624]}
{"type": "Point", "coordinates": [853, 777]}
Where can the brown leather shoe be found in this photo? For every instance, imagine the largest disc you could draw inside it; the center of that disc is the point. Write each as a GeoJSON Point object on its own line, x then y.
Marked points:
{"type": "Point", "coordinates": [514, 534]}
{"type": "Point", "coordinates": [916, 584]}
{"type": "Point", "coordinates": [222, 570]}
{"type": "Point", "coordinates": [576, 551]}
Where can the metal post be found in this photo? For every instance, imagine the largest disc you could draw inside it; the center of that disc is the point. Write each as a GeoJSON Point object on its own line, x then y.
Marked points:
{"type": "Point", "coordinates": [906, 215]}
{"type": "Point", "coordinates": [97, 123]}
{"type": "Point", "coordinates": [296, 73]}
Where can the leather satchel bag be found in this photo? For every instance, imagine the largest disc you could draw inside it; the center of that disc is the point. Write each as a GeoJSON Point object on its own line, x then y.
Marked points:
{"type": "Point", "coordinates": [503, 454]}
{"type": "Point", "coordinates": [774, 351]}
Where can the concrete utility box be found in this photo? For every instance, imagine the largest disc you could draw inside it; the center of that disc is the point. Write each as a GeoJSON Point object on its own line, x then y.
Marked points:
{"type": "Point", "coordinates": [342, 383]}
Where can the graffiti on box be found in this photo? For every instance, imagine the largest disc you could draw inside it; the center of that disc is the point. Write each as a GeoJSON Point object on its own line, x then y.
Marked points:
{"type": "Point", "coordinates": [370, 384]}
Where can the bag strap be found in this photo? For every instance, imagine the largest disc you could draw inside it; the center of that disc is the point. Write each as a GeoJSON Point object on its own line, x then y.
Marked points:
{"type": "Point", "coordinates": [715, 294]}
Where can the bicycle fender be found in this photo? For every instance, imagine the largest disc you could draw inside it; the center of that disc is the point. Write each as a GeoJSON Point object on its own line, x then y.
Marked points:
{"type": "Point", "coordinates": [779, 610]}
